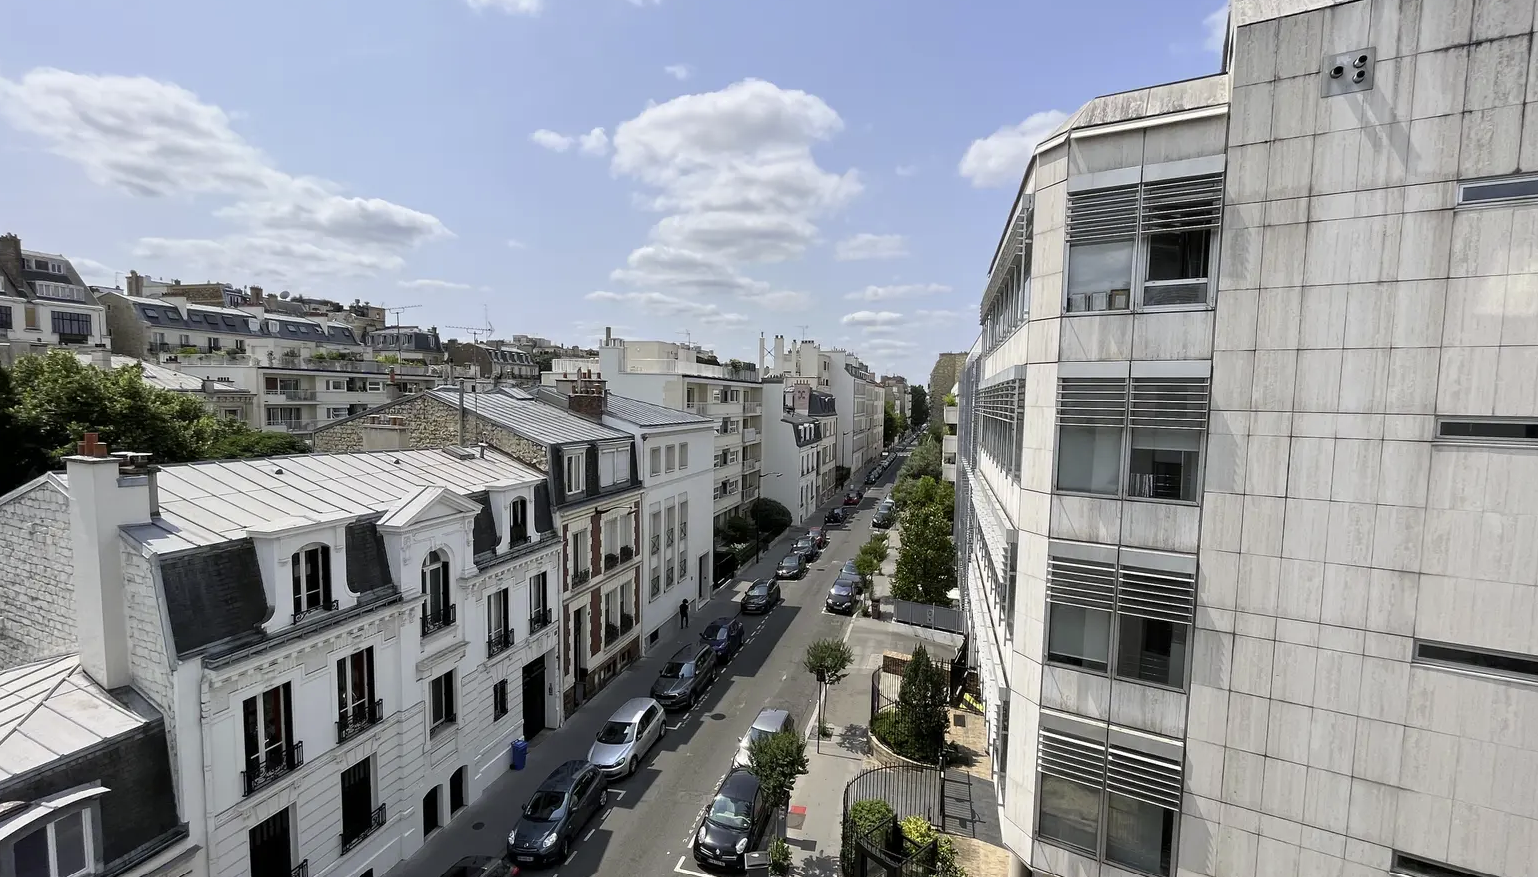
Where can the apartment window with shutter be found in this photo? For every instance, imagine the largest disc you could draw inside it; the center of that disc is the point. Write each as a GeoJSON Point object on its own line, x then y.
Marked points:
{"type": "Point", "coordinates": [1137, 793]}
{"type": "Point", "coordinates": [613, 467]}
{"type": "Point", "coordinates": [441, 702]}
{"type": "Point", "coordinates": [1151, 428]}
{"type": "Point", "coordinates": [683, 456]}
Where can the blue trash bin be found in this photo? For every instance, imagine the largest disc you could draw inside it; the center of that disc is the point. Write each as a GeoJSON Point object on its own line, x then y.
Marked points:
{"type": "Point", "coordinates": [520, 753]}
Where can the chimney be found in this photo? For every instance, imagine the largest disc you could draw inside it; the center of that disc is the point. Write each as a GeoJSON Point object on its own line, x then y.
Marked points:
{"type": "Point", "coordinates": [102, 359]}
{"type": "Point", "coordinates": [135, 283]}
{"type": "Point", "coordinates": [10, 255]}
{"type": "Point", "coordinates": [104, 496]}
{"type": "Point", "coordinates": [588, 396]}
{"type": "Point", "coordinates": [608, 335]}
{"type": "Point", "coordinates": [255, 294]}
{"type": "Point", "coordinates": [779, 354]}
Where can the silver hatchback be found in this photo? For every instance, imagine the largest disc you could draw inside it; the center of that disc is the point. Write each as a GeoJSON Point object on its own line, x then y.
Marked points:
{"type": "Point", "coordinates": [769, 721]}
{"type": "Point", "coordinates": [626, 738]}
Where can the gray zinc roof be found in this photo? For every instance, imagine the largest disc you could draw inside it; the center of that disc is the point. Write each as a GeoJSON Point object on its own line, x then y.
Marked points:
{"type": "Point", "coordinates": [215, 502]}
{"type": "Point", "coordinates": [520, 413]}
{"type": "Point", "coordinates": [51, 709]}
{"type": "Point", "coordinates": [647, 414]}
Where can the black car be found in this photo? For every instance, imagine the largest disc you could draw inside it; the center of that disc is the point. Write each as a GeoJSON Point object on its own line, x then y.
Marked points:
{"type": "Point", "coordinates": [852, 579]}
{"type": "Point", "coordinates": [556, 814]}
{"type": "Point", "coordinates": [735, 823]}
{"type": "Point", "coordinates": [792, 566]}
{"type": "Point", "coordinates": [685, 677]}
{"type": "Point", "coordinates": [806, 546]}
{"type": "Point", "coordinates": [481, 866]}
{"type": "Point", "coordinates": [873, 477]}
{"type": "Point", "coordinates": [762, 596]}
{"type": "Point", "coordinates": [841, 598]}
{"type": "Point", "coordinates": [725, 635]}
{"type": "Point", "coordinates": [835, 516]}
{"type": "Point", "coordinates": [883, 520]}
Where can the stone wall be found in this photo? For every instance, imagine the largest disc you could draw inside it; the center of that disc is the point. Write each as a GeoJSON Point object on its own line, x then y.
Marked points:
{"type": "Point", "coordinates": [37, 589]}
{"type": "Point", "coordinates": [432, 423]}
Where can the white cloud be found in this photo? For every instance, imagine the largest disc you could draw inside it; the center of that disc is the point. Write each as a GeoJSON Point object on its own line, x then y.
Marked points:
{"type": "Point", "coordinates": [872, 246]}
{"type": "Point", "coordinates": [889, 293]}
{"type": "Point", "coordinates": [155, 139]}
{"type": "Point", "coordinates": [734, 172]}
{"type": "Point", "coordinates": [872, 318]}
{"type": "Point", "coordinates": [551, 140]}
{"type": "Point", "coordinates": [907, 170]}
{"type": "Point", "coordinates": [658, 305]}
{"type": "Point", "coordinates": [939, 315]}
{"type": "Point", "coordinates": [515, 244]}
{"type": "Point", "coordinates": [1000, 158]}
{"type": "Point", "coordinates": [785, 300]}
{"type": "Point", "coordinates": [95, 273]}
{"type": "Point", "coordinates": [512, 7]}
{"type": "Point", "coordinates": [433, 284]}
{"type": "Point", "coordinates": [679, 72]}
{"type": "Point", "coordinates": [1215, 30]}
{"type": "Point", "coordinates": [888, 346]}
{"type": "Point", "coordinates": [594, 142]}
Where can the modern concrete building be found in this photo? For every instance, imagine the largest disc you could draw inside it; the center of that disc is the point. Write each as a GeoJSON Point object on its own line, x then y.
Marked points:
{"type": "Point", "coordinates": [1244, 450]}
{"type": "Point", "coordinates": [949, 439]}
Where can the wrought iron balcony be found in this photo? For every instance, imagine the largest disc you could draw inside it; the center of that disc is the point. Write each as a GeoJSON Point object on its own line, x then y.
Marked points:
{"type": "Point", "coordinates": [656, 543]}
{"type": "Point", "coordinates": [610, 561]}
{"type": "Point", "coordinates": [317, 609]}
{"type": "Point", "coordinates": [517, 535]}
{"type": "Point", "coordinates": [610, 634]}
{"type": "Point", "coordinates": [358, 719]}
{"type": "Point", "coordinates": [581, 577]}
{"type": "Point", "coordinates": [432, 622]}
{"type": "Point", "coordinates": [264, 770]}
{"type": "Point", "coordinates": [669, 539]}
{"type": "Point", "coordinates": [498, 643]}
{"type": "Point", "coordinates": [626, 553]}
{"type": "Point", "coordinates": [376, 821]}
{"type": "Point", "coordinates": [626, 623]}
{"type": "Point", "coordinates": [539, 619]}
{"type": "Point", "coordinates": [301, 870]}
{"type": "Point", "coordinates": [683, 529]}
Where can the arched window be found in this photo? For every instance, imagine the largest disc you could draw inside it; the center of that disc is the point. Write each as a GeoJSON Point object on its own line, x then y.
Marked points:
{"type": "Point", "coordinates": [518, 522]}
{"type": "Point", "coordinates": [311, 568]}
{"type": "Point", "coordinates": [438, 612]}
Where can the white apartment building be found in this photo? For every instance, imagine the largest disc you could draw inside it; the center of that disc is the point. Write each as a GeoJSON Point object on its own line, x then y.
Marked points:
{"type": "Point", "coordinates": [1243, 448]}
{"type": "Point", "coordinates": [343, 646]}
{"type": "Point", "coordinates": [860, 399]}
{"type": "Point", "coordinates": [44, 303]}
{"type": "Point", "coordinates": [801, 449]}
{"type": "Point", "coordinates": [672, 375]}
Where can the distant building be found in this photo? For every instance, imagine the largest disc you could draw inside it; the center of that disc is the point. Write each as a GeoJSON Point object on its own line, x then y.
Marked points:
{"type": "Point", "coordinates": [944, 376]}
{"type": "Point", "coordinates": [494, 361]}
{"type": "Point", "coordinates": [897, 393]}
{"type": "Point", "coordinates": [407, 344]}
{"type": "Point", "coordinates": [860, 399]}
{"type": "Point", "coordinates": [800, 447]}
{"type": "Point", "coordinates": [44, 303]}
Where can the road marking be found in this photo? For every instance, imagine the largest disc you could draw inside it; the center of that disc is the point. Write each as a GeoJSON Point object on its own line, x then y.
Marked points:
{"type": "Point", "coordinates": [618, 793]}
{"type": "Point", "coordinates": [589, 836]}
{"type": "Point", "coordinates": [680, 869]}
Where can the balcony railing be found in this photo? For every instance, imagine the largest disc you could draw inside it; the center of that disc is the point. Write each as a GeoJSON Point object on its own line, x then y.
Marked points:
{"type": "Point", "coordinates": [376, 821]}
{"type": "Point", "coordinates": [517, 535]}
{"type": "Point", "coordinates": [581, 577]}
{"type": "Point", "coordinates": [539, 619]}
{"type": "Point", "coordinates": [626, 623]}
{"type": "Point", "coordinates": [432, 622]}
{"type": "Point", "coordinates": [301, 870]}
{"type": "Point", "coordinates": [626, 553]}
{"type": "Point", "coordinates": [656, 543]}
{"type": "Point", "coordinates": [316, 610]}
{"type": "Point", "coordinates": [683, 529]}
{"type": "Point", "coordinates": [668, 539]}
{"type": "Point", "coordinates": [753, 408]}
{"type": "Point", "coordinates": [358, 719]}
{"type": "Point", "coordinates": [610, 561]}
{"type": "Point", "coordinates": [751, 465]}
{"type": "Point", "coordinates": [656, 584]}
{"type": "Point", "coordinates": [750, 435]}
{"type": "Point", "coordinates": [299, 395]}
{"type": "Point", "coordinates": [263, 771]}
{"type": "Point", "coordinates": [498, 643]}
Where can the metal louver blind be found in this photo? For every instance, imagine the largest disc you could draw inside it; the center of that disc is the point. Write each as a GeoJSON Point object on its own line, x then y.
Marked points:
{"type": "Point", "coordinates": [1157, 594]}
{"type": "Point", "coordinates": [1087, 583]}
{"type": "Point", "coordinates": [1146, 778]}
{"type": "Point", "coordinates": [1071, 758]}
{"type": "Point", "coordinates": [1092, 402]}
{"type": "Point", "coordinates": [1103, 215]}
{"type": "Point", "coordinates": [1191, 204]}
{"type": "Point", "coordinates": [1170, 403]}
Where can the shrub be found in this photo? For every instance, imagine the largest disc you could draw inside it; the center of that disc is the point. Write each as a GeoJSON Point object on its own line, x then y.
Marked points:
{"type": "Point", "coordinates": [779, 857]}
{"type": "Point", "coordinates": [864, 818]}
{"type": "Point", "coordinates": [772, 518]}
{"type": "Point", "coordinates": [918, 832]}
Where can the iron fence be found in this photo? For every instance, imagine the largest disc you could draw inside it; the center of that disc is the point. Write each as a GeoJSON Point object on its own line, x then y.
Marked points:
{"type": "Point", "coordinates": [877, 848]}
{"type": "Point", "coordinates": [924, 615]}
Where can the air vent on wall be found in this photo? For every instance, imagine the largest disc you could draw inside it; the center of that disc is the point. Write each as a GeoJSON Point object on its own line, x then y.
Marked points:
{"type": "Point", "coordinates": [1347, 72]}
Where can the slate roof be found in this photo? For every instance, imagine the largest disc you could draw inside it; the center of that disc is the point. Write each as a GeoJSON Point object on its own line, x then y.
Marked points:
{"type": "Point", "coordinates": [50, 710]}
{"type": "Point", "coordinates": [213, 595]}
{"type": "Point", "coordinates": [519, 412]}
{"type": "Point", "coordinates": [647, 414]}
{"type": "Point", "coordinates": [367, 565]}
{"type": "Point", "coordinates": [206, 319]}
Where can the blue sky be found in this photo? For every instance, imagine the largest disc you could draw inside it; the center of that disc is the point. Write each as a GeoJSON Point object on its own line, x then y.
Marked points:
{"type": "Point", "coordinates": [713, 167]}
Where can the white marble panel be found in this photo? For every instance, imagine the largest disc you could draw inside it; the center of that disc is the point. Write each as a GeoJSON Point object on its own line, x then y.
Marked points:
{"type": "Point", "coordinates": [1434, 144]}
{"type": "Point", "coordinates": [1283, 255]}
{"type": "Point", "coordinates": [1481, 242]}
{"type": "Point", "coordinates": [1355, 475]}
{"type": "Point", "coordinates": [1412, 380]}
{"type": "Point", "coordinates": [1300, 589]}
{"type": "Point", "coordinates": [1249, 715]}
{"type": "Point", "coordinates": [1277, 319]}
{"type": "Point", "coordinates": [1323, 321]}
{"type": "Point", "coordinates": [1327, 799]}
{"type": "Point", "coordinates": [1418, 311]}
{"type": "Point", "coordinates": [1243, 778]}
{"type": "Point", "coordinates": [1444, 23]}
{"type": "Point", "coordinates": [1181, 335]}
{"type": "Point", "coordinates": [1346, 589]}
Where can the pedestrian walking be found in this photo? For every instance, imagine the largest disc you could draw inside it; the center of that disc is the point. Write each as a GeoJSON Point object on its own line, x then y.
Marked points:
{"type": "Point", "coordinates": [683, 613]}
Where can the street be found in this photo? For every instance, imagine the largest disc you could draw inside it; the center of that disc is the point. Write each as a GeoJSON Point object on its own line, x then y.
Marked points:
{"type": "Point", "coordinates": [650, 821]}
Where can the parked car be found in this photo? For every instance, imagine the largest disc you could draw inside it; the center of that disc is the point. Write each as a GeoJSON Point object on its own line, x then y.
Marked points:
{"type": "Point", "coordinates": [883, 519]}
{"type": "Point", "coordinates": [792, 566]}
{"type": "Point", "coordinates": [806, 546]}
{"type": "Point", "coordinates": [627, 737]}
{"type": "Point", "coordinates": [761, 596]}
{"type": "Point", "coordinates": [736, 822]}
{"type": "Point", "coordinates": [873, 477]}
{"type": "Point", "coordinates": [769, 721]}
{"type": "Point", "coordinates": [853, 497]}
{"type": "Point", "coordinates": [819, 536]}
{"type": "Point", "coordinates": [685, 677]}
{"type": "Point", "coordinates": [853, 580]}
{"type": "Point", "coordinates": [725, 635]}
{"type": "Point", "coordinates": [836, 516]}
{"type": "Point", "coordinates": [841, 598]}
{"type": "Point", "coordinates": [850, 568]}
{"type": "Point", "coordinates": [553, 819]}
{"type": "Point", "coordinates": [482, 866]}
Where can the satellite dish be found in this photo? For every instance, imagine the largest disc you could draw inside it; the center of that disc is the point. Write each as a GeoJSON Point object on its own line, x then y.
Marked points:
{"type": "Point", "coordinates": [283, 295]}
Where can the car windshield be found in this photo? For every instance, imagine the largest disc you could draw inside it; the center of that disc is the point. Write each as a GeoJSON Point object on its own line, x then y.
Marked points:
{"type": "Point", "coordinates": [850, 568]}
{"type": "Point", "coordinates": [728, 813]}
{"type": "Point", "coordinates": [758, 734]}
{"type": "Point", "coordinates": [758, 591]}
{"type": "Point", "coordinates": [614, 733]}
{"type": "Point", "coordinates": [791, 561]}
{"type": "Point", "coordinates": [841, 590]}
{"type": "Point", "coordinates": [715, 632]}
{"type": "Point", "coordinates": [676, 670]}
{"type": "Point", "coordinates": [804, 542]}
{"type": "Point", "coordinates": [544, 805]}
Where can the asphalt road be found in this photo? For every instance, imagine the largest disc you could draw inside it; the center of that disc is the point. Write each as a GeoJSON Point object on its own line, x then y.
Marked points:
{"type": "Point", "coordinates": [647, 829]}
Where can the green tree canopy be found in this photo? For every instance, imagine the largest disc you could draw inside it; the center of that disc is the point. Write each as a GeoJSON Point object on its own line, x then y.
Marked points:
{"type": "Point", "coordinates": [918, 403]}
{"type": "Point", "coordinates": [889, 424]}
{"type": "Point", "coordinates": [923, 461]}
{"type": "Point", "coordinates": [926, 558]}
{"type": "Point", "coordinates": [771, 517]}
{"type": "Point", "coordinates": [923, 701]}
{"type": "Point", "coordinates": [777, 760]}
{"type": "Point", "coordinates": [926, 491]}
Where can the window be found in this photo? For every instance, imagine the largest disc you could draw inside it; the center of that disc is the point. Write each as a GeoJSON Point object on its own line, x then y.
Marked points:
{"type": "Point", "coordinates": [336, 385]}
{"type": "Point", "coordinates": [671, 453]}
{"type": "Point", "coordinates": [499, 700]}
{"type": "Point", "coordinates": [1516, 431]}
{"type": "Point", "coordinates": [231, 413]}
{"type": "Point", "coordinates": [656, 584]}
{"type": "Point", "coordinates": [613, 467]}
{"type": "Point", "coordinates": [683, 521]}
{"type": "Point", "coordinates": [1138, 791]}
{"type": "Point", "coordinates": [1144, 602]}
{"type": "Point", "coordinates": [62, 848]}
{"type": "Point", "coordinates": [1499, 190]}
{"type": "Point", "coordinates": [499, 634]}
{"type": "Point", "coordinates": [441, 701]}
{"type": "Point", "coordinates": [1414, 866]}
{"type": "Point", "coordinates": [1155, 433]}
{"type": "Point", "coordinates": [581, 556]}
{"type": "Point", "coordinates": [71, 325]}
{"type": "Point", "coordinates": [576, 471]}
{"type": "Point", "coordinates": [656, 532]}
{"type": "Point", "coordinates": [1154, 240]}
{"type": "Point", "coordinates": [376, 386]}
{"type": "Point", "coordinates": [270, 748]}
{"type": "Point", "coordinates": [667, 532]}
{"type": "Point", "coordinates": [30, 310]}
{"type": "Point", "coordinates": [311, 569]}
{"type": "Point", "coordinates": [539, 602]}
{"type": "Point", "coordinates": [5, 319]}
{"type": "Point", "coordinates": [1524, 667]}
{"type": "Point", "coordinates": [518, 522]}
{"type": "Point", "coordinates": [683, 456]}
{"type": "Point", "coordinates": [656, 461]}
{"type": "Point", "coordinates": [438, 611]}
{"type": "Point", "coordinates": [357, 709]}
{"type": "Point", "coordinates": [359, 817]}
{"type": "Point", "coordinates": [336, 413]}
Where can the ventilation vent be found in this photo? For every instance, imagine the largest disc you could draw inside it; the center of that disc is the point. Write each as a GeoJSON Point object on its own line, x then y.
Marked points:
{"type": "Point", "coordinates": [1089, 584]}
{"type": "Point", "coordinates": [1167, 294]}
{"type": "Point", "coordinates": [460, 453]}
{"type": "Point", "coordinates": [1347, 72]}
{"type": "Point", "coordinates": [1146, 778]}
{"type": "Point", "coordinates": [1157, 594]}
{"type": "Point", "coordinates": [1190, 204]}
{"type": "Point", "coordinates": [1103, 215]}
{"type": "Point", "coordinates": [1092, 402]}
{"type": "Point", "coordinates": [1498, 191]}
{"type": "Point", "coordinates": [1071, 758]}
{"type": "Point", "coordinates": [1170, 403]}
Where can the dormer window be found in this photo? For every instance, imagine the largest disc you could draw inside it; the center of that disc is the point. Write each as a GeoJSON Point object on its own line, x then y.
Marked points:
{"type": "Point", "coordinates": [518, 522]}
{"type": "Point", "coordinates": [61, 848]}
{"type": "Point", "coordinates": [613, 466]}
{"type": "Point", "coordinates": [312, 581]}
{"type": "Point", "coordinates": [438, 612]}
{"type": "Point", "coordinates": [576, 471]}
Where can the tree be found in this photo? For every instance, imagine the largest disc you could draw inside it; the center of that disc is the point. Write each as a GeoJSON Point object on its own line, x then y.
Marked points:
{"type": "Point", "coordinates": [235, 440]}
{"type": "Point", "coordinates": [925, 460]}
{"type": "Point", "coordinates": [926, 491]}
{"type": "Point", "coordinates": [923, 706]}
{"type": "Point", "coordinates": [771, 517]}
{"type": "Point", "coordinates": [889, 424]}
{"type": "Point", "coordinates": [918, 403]}
{"type": "Point", "coordinates": [828, 660]}
{"type": "Point", "coordinates": [25, 457]}
{"type": "Point", "coordinates": [926, 559]}
{"type": "Point", "coordinates": [776, 760]}
{"type": "Point", "coordinates": [866, 565]}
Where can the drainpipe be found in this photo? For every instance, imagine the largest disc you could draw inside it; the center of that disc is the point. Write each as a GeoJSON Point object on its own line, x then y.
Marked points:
{"type": "Point", "coordinates": [462, 412]}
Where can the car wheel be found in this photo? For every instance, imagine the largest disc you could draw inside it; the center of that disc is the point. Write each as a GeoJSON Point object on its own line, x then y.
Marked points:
{"type": "Point", "coordinates": [629, 772]}
{"type": "Point", "coordinates": [565, 849]}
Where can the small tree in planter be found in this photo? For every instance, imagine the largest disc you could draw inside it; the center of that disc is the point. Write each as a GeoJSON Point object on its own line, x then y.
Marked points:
{"type": "Point", "coordinates": [828, 660]}
{"type": "Point", "coordinates": [776, 760]}
{"type": "Point", "coordinates": [923, 708]}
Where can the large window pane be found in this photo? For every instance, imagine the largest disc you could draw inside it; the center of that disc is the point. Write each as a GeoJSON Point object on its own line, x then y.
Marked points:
{"type": "Point", "coordinates": [1099, 275]}
{"type": "Point", "coordinates": [31, 853]}
{"type": "Point", "coordinates": [1089, 459]}
{"type": "Point", "coordinates": [1164, 464]}
{"type": "Point", "coordinates": [69, 844]}
{"type": "Point", "coordinates": [1149, 650]}
{"type": "Point", "coordinates": [1079, 637]}
{"type": "Point", "coordinates": [1139, 835]}
{"type": "Point", "coordinates": [1070, 814]}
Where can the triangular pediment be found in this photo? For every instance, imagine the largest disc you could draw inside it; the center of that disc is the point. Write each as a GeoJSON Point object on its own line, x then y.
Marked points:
{"type": "Point", "coordinates": [426, 506]}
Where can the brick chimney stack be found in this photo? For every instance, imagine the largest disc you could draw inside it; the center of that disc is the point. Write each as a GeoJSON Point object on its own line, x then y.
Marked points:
{"type": "Point", "coordinates": [10, 256]}
{"type": "Point", "coordinates": [588, 396]}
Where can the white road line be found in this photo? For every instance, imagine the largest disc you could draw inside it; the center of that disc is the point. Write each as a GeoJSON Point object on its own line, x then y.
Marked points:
{"type": "Point", "coordinates": [680, 869]}
{"type": "Point", "coordinates": [589, 836]}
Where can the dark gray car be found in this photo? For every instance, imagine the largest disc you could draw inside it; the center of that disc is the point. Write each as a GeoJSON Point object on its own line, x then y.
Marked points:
{"type": "Point", "coordinates": [685, 677]}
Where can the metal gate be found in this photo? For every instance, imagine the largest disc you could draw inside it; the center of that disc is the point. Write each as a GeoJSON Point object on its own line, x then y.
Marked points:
{"type": "Point", "coordinates": [924, 615]}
